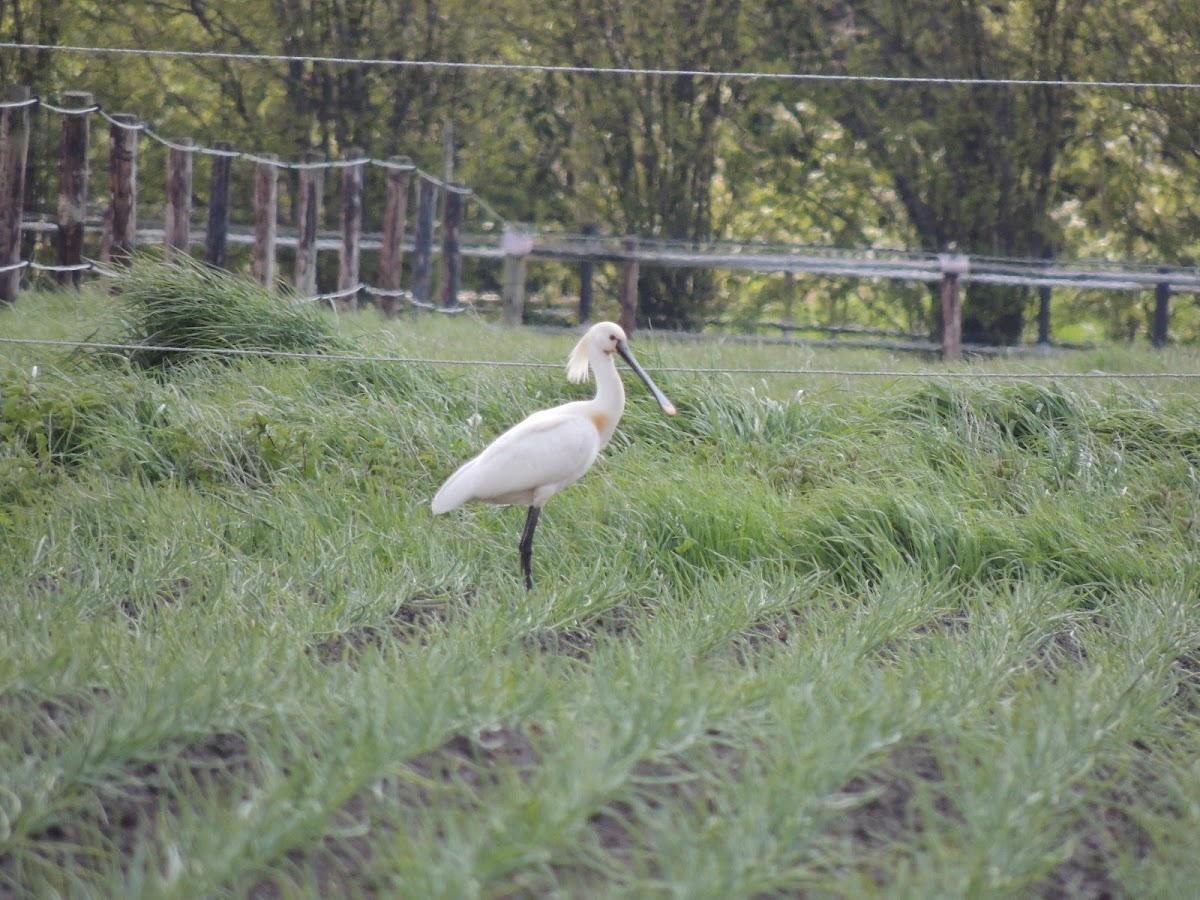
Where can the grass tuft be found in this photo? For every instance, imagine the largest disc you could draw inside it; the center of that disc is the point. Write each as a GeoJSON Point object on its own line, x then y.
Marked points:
{"type": "Point", "coordinates": [185, 304]}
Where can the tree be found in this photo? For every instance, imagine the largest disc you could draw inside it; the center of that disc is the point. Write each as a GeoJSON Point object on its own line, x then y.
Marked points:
{"type": "Point", "coordinates": [974, 167]}
{"type": "Point", "coordinates": [30, 22]}
{"type": "Point", "coordinates": [643, 148]}
{"type": "Point", "coordinates": [1140, 171]}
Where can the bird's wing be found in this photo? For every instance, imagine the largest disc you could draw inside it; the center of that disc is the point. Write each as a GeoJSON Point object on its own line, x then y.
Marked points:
{"type": "Point", "coordinates": [532, 460]}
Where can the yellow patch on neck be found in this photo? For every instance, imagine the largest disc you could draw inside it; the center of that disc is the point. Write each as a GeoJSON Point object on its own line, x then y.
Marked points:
{"type": "Point", "coordinates": [601, 421]}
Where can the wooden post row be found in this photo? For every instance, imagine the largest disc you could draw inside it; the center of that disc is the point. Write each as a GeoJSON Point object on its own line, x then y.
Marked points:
{"type": "Point", "coordinates": [451, 241]}
{"type": "Point", "coordinates": [629, 286]}
{"type": "Point", "coordinates": [14, 149]}
{"type": "Point", "coordinates": [73, 186]}
{"type": "Point", "coordinates": [218, 206]}
{"type": "Point", "coordinates": [178, 231]}
{"type": "Point", "coordinates": [391, 254]}
{"type": "Point", "coordinates": [351, 224]}
{"type": "Point", "coordinates": [120, 224]}
{"type": "Point", "coordinates": [266, 219]}
{"type": "Point", "coordinates": [422, 276]}
{"type": "Point", "coordinates": [312, 181]}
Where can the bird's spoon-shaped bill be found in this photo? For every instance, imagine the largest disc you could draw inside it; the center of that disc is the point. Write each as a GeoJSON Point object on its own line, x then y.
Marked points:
{"type": "Point", "coordinates": [667, 406]}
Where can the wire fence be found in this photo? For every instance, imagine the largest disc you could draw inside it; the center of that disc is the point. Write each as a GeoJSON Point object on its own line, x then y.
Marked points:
{"type": "Point", "coordinates": [759, 257]}
{"type": "Point", "coordinates": [402, 164]}
{"type": "Point", "coordinates": [623, 71]}
{"type": "Point", "coordinates": [764, 371]}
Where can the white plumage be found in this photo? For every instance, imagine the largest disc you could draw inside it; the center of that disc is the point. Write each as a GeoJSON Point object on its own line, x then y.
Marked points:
{"type": "Point", "coordinates": [552, 448]}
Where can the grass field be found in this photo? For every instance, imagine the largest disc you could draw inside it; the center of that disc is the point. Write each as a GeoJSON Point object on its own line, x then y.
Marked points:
{"type": "Point", "coordinates": [819, 635]}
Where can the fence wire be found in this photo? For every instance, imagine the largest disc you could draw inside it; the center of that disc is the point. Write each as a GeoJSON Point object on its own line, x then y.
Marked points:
{"type": "Point", "coordinates": [523, 364]}
{"type": "Point", "coordinates": [874, 262]}
{"type": "Point", "coordinates": [621, 71]}
{"type": "Point", "coordinates": [403, 164]}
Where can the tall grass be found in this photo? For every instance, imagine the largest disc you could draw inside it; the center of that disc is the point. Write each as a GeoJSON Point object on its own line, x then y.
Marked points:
{"type": "Point", "coordinates": [181, 304]}
{"type": "Point", "coordinates": [903, 637]}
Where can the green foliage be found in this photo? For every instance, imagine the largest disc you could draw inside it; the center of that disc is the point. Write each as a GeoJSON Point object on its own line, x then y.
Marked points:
{"type": "Point", "coordinates": [827, 635]}
{"type": "Point", "coordinates": [180, 303]}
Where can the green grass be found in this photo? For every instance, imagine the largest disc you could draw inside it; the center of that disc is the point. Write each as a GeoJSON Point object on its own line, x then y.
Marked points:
{"type": "Point", "coordinates": [818, 635]}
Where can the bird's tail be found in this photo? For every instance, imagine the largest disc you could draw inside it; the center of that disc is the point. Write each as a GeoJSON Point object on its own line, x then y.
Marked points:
{"type": "Point", "coordinates": [450, 495]}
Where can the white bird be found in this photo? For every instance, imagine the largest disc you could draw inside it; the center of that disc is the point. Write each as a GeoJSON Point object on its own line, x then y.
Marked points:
{"type": "Point", "coordinates": [552, 448]}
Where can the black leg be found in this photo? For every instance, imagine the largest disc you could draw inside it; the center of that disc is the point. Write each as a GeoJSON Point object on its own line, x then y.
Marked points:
{"type": "Point", "coordinates": [527, 545]}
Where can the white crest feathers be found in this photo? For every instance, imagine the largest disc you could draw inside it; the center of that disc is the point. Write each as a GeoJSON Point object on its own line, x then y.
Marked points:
{"type": "Point", "coordinates": [577, 362]}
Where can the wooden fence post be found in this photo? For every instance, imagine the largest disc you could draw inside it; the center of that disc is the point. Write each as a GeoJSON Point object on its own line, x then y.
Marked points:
{"type": "Point", "coordinates": [312, 182]}
{"type": "Point", "coordinates": [789, 295]}
{"type": "Point", "coordinates": [1044, 293]}
{"type": "Point", "coordinates": [14, 149]}
{"type": "Point", "coordinates": [451, 240]}
{"type": "Point", "coordinates": [350, 256]}
{"type": "Point", "coordinates": [218, 206]}
{"type": "Point", "coordinates": [953, 266]}
{"type": "Point", "coordinates": [629, 285]}
{"type": "Point", "coordinates": [266, 218]}
{"type": "Point", "coordinates": [516, 246]}
{"type": "Point", "coordinates": [1162, 313]}
{"type": "Point", "coordinates": [120, 225]}
{"type": "Point", "coordinates": [73, 185]}
{"type": "Point", "coordinates": [178, 230]}
{"type": "Point", "coordinates": [391, 253]}
{"type": "Point", "coordinates": [423, 248]}
{"type": "Point", "coordinates": [586, 270]}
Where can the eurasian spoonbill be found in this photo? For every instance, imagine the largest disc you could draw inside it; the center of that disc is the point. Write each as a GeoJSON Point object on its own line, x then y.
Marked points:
{"type": "Point", "coordinates": [552, 448]}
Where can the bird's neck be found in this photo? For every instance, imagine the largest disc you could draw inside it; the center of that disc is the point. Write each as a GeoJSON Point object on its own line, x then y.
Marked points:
{"type": "Point", "coordinates": [609, 402]}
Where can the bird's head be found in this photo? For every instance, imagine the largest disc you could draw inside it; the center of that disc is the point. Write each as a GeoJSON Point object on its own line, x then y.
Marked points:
{"type": "Point", "coordinates": [608, 337]}
{"type": "Point", "coordinates": [602, 338]}
{"type": "Point", "coordinates": [605, 339]}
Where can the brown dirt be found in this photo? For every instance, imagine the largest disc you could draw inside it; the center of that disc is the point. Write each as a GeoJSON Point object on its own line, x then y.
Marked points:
{"type": "Point", "coordinates": [577, 643]}
{"type": "Point", "coordinates": [574, 643]}
{"type": "Point", "coordinates": [1188, 691]}
{"type": "Point", "coordinates": [344, 857]}
{"type": "Point", "coordinates": [761, 635]}
{"type": "Point", "coordinates": [950, 622]}
{"type": "Point", "coordinates": [1060, 649]}
{"type": "Point", "coordinates": [885, 810]}
{"type": "Point", "coordinates": [167, 596]}
{"type": "Point", "coordinates": [407, 623]}
{"type": "Point", "coordinates": [654, 782]}
{"type": "Point", "coordinates": [125, 809]}
{"type": "Point", "coordinates": [476, 760]}
{"type": "Point", "coordinates": [1103, 831]}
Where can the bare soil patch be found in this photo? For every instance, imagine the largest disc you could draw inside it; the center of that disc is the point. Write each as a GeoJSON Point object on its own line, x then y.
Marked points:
{"type": "Point", "coordinates": [883, 801]}
{"type": "Point", "coordinates": [123, 811]}
{"type": "Point", "coordinates": [1105, 830]}
{"type": "Point", "coordinates": [344, 856]}
{"type": "Point", "coordinates": [407, 623]}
